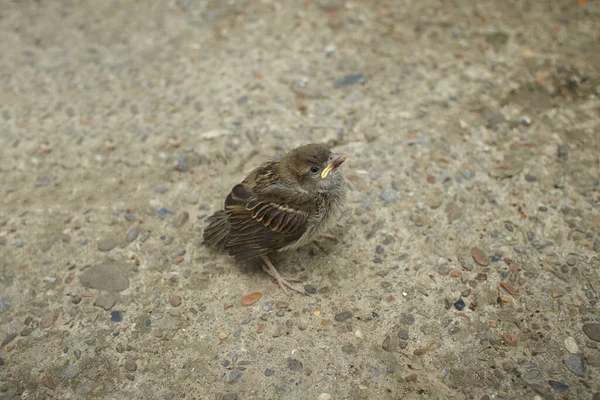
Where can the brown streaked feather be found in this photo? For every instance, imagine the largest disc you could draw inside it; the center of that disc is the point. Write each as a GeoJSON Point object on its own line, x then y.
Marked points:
{"type": "Point", "coordinates": [259, 226]}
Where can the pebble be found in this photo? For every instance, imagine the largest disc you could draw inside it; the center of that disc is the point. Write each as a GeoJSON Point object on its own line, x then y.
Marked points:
{"type": "Point", "coordinates": [530, 178]}
{"type": "Point", "coordinates": [181, 219]}
{"type": "Point", "coordinates": [229, 396]}
{"type": "Point", "coordinates": [251, 298]}
{"type": "Point", "coordinates": [70, 372]}
{"type": "Point", "coordinates": [116, 316]}
{"type": "Point", "coordinates": [133, 233]}
{"type": "Point", "coordinates": [234, 376]}
{"type": "Point", "coordinates": [453, 212]}
{"type": "Point", "coordinates": [352, 79]}
{"type": "Point", "coordinates": [105, 277]}
{"type": "Point", "coordinates": [571, 345]}
{"type": "Point", "coordinates": [389, 196]}
{"type": "Point", "coordinates": [468, 265]}
{"type": "Point", "coordinates": [558, 385]}
{"type": "Point", "coordinates": [49, 319]}
{"type": "Point", "coordinates": [324, 396]}
{"type": "Point", "coordinates": [576, 365]}
{"type": "Point", "coordinates": [9, 338]}
{"type": "Point", "coordinates": [310, 289]}
{"type": "Point", "coordinates": [164, 211]}
{"type": "Point", "coordinates": [269, 372]}
{"type": "Point", "coordinates": [479, 257]}
{"type": "Point", "coordinates": [592, 330]}
{"type": "Point", "coordinates": [343, 316]}
{"type": "Point", "coordinates": [49, 382]}
{"type": "Point", "coordinates": [106, 301]}
{"type": "Point", "coordinates": [562, 152]}
{"type": "Point", "coordinates": [459, 304]}
{"type": "Point", "coordinates": [175, 301]}
{"type": "Point", "coordinates": [107, 244]}
{"type": "Point", "coordinates": [131, 366]}
{"type": "Point", "coordinates": [379, 249]}
{"type": "Point", "coordinates": [191, 198]}
{"type": "Point", "coordinates": [295, 365]}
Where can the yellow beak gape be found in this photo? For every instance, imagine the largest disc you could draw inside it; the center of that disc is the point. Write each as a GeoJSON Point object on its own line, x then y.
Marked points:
{"type": "Point", "coordinates": [327, 170]}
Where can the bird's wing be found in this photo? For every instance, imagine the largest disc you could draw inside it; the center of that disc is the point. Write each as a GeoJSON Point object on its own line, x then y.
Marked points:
{"type": "Point", "coordinates": [260, 226]}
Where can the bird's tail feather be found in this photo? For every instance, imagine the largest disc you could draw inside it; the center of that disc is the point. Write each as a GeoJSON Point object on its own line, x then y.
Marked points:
{"type": "Point", "coordinates": [217, 230]}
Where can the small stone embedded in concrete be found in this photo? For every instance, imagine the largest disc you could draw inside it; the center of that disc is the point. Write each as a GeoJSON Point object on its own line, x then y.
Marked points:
{"type": "Point", "coordinates": [105, 277]}
{"type": "Point", "coordinates": [571, 345]}
{"type": "Point", "coordinates": [49, 319]}
{"type": "Point", "coordinates": [576, 365]}
{"type": "Point", "coordinates": [251, 298]}
{"type": "Point", "coordinates": [9, 338]}
{"type": "Point", "coordinates": [116, 316]}
{"type": "Point", "coordinates": [343, 316]}
{"type": "Point", "coordinates": [107, 244]}
{"type": "Point", "coordinates": [175, 301]}
{"type": "Point", "coordinates": [106, 300]}
{"type": "Point", "coordinates": [479, 257]}
{"type": "Point", "coordinates": [389, 196]}
{"type": "Point", "coordinates": [295, 365]}
{"type": "Point", "coordinates": [131, 366]}
{"type": "Point", "coordinates": [592, 330]}
{"type": "Point", "coordinates": [133, 233]}
{"type": "Point", "coordinates": [49, 382]}
{"type": "Point", "coordinates": [558, 385]}
{"type": "Point", "coordinates": [181, 219]}
{"type": "Point", "coordinates": [70, 372]}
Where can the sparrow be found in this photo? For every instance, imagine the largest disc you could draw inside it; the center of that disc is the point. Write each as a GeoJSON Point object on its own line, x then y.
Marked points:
{"type": "Point", "coordinates": [281, 205]}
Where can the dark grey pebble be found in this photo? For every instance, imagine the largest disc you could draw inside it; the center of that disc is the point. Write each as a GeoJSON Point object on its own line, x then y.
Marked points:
{"type": "Point", "coordinates": [562, 153]}
{"type": "Point", "coordinates": [459, 304]}
{"type": "Point", "coordinates": [133, 233]}
{"type": "Point", "coordinates": [558, 385]}
{"type": "Point", "coordinates": [592, 330]}
{"type": "Point", "coordinates": [343, 316]}
{"type": "Point", "coordinates": [379, 250]}
{"type": "Point", "coordinates": [116, 316]}
{"type": "Point", "coordinates": [576, 365]}
{"type": "Point", "coordinates": [107, 244]}
{"type": "Point", "coordinates": [90, 342]}
{"type": "Point", "coordinates": [526, 121]}
{"type": "Point", "coordinates": [269, 372]}
{"type": "Point", "coordinates": [403, 334]}
{"type": "Point", "coordinates": [377, 260]}
{"type": "Point", "coordinates": [168, 395]}
{"type": "Point", "coordinates": [530, 235]}
{"type": "Point", "coordinates": [230, 396]}
{"type": "Point", "coordinates": [144, 237]}
{"type": "Point", "coordinates": [310, 289]}
{"type": "Point", "coordinates": [352, 79]}
{"type": "Point", "coordinates": [77, 354]}
{"type": "Point", "coordinates": [295, 365]}
{"type": "Point", "coordinates": [161, 190]}
{"type": "Point", "coordinates": [543, 208]}
{"type": "Point", "coordinates": [530, 178]}
{"type": "Point", "coordinates": [129, 217]}
{"type": "Point", "coordinates": [1, 361]}
{"type": "Point", "coordinates": [182, 164]}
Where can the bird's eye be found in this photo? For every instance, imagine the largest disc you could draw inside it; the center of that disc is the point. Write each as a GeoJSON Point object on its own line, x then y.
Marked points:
{"type": "Point", "coordinates": [314, 169]}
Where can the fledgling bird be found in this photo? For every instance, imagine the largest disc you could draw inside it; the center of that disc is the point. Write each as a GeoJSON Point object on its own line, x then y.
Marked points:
{"type": "Point", "coordinates": [281, 205]}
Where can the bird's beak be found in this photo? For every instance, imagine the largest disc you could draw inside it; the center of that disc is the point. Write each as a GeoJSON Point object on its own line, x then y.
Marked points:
{"type": "Point", "coordinates": [335, 161]}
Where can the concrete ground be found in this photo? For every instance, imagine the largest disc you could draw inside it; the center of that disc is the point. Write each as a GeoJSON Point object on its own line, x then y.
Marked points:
{"type": "Point", "coordinates": [467, 265]}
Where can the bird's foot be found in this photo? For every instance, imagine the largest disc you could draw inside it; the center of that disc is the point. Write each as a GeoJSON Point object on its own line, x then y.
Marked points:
{"type": "Point", "coordinates": [281, 280]}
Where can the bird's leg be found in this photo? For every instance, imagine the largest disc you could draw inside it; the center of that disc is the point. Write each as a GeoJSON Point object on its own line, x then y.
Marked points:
{"type": "Point", "coordinates": [283, 282]}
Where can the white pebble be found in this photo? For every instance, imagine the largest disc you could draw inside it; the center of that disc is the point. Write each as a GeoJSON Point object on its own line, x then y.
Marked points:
{"type": "Point", "coordinates": [324, 396]}
{"type": "Point", "coordinates": [571, 345]}
{"type": "Point", "coordinates": [358, 333]}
